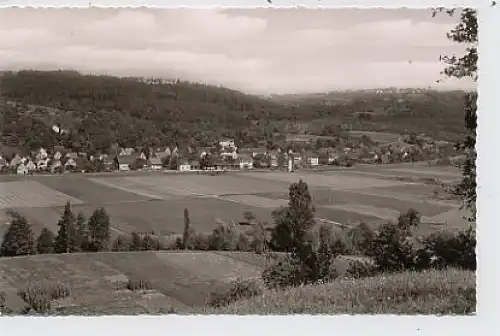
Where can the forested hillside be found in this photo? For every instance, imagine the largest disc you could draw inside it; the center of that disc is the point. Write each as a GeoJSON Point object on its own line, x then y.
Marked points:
{"type": "Point", "coordinates": [97, 111]}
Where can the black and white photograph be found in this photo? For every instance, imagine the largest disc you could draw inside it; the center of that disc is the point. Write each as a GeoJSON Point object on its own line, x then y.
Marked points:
{"type": "Point", "coordinates": [243, 161]}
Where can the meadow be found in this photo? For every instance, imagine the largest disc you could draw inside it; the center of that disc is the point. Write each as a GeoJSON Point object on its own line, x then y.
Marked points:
{"type": "Point", "coordinates": [449, 291]}
{"type": "Point", "coordinates": [155, 202]}
{"type": "Point", "coordinates": [97, 281]}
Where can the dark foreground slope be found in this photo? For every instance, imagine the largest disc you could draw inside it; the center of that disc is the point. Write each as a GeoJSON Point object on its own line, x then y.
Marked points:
{"type": "Point", "coordinates": [180, 281]}
{"type": "Point", "coordinates": [432, 292]}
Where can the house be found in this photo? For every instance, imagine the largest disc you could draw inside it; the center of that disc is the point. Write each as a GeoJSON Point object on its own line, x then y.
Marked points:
{"type": "Point", "coordinates": [125, 161]}
{"type": "Point", "coordinates": [22, 170]}
{"type": "Point", "coordinates": [273, 159]}
{"type": "Point", "coordinates": [42, 164]}
{"type": "Point", "coordinates": [126, 151]}
{"type": "Point", "coordinates": [41, 154]}
{"type": "Point", "coordinates": [227, 144]}
{"type": "Point", "coordinates": [245, 161]}
{"type": "Point", "coordinates": [57, 156]}
{"type": "Point", "coordinates": [184, 165]}
{"type": "Point", "coordinates": [3, 163]}
{"type": "Point", "coordinates": [155, 163]}
{"type": "Point", "coordinates": [72, 155]}
{"type": "Point", "coordinates": [70, 164]}
{"type": "Point", "coordinates": [255, 151]}
{"type": "Point", "coordinates": [15, 161]}
{"type": "Point", "coordinates": [56, 167]}
{"type": "Point", "coordinates": [31, 167]}
{"type": "Point", "coordinates": [312, 159]}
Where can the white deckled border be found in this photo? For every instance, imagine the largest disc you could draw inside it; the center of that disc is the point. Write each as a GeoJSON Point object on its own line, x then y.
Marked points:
{"type": "Point", "coordinates": [488, 201]}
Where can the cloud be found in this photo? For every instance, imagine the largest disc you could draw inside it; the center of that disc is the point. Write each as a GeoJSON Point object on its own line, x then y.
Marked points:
{"type": "Point", "coordinates": [251, 50]}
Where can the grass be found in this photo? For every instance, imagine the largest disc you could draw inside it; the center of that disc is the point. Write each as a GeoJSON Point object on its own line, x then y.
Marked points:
{"type": "Point", "coordinates": [432, 292]}
{"type": "Point", "coordinates": [223, 198]}
{"type": "Point", "coordinates": [115, 283]}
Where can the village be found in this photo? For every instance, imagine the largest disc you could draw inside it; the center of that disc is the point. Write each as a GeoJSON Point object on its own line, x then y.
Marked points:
{"type": "Point", "coordinates": [296, 152]}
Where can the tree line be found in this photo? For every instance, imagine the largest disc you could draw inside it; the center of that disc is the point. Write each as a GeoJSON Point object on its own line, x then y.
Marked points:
{"type": "Point", "coordinates": [75, 234]}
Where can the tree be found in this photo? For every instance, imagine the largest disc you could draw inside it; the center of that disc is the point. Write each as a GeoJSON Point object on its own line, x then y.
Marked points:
{"type": "Point", "coordinates": [45, 242]}
{"type": "Point", "coordinates": [292, 233]}
{"type": "Point", "coordinates": [82, 233]}
{"type": "Point", "coordinates": [121, 244]}
{"type": "Point", "coordinates": [98, 226]}
{"type": "Point", "coordinates": [136, 244]}
{"type": "Point", "coordinates": [249, 216]}
{"type": "Point", "coordinates": [186, 239]}
{"type": "Point", "coordinates": [465, 32]}
{"type": "Point", "coordinates": [408, 220]}
{"type": "Point", "coordinates": [19, 238]}
{"type": "Point", "coordinates": [65, 241]}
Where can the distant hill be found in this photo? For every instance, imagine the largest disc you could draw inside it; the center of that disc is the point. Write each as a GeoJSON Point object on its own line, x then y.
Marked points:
{"type": "Point", "coordinates": [101, 110]}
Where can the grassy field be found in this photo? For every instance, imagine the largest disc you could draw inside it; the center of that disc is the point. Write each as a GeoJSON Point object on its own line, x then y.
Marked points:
{"type": "Point", "coordinates": [97, 281]}
{"type": "Point", "coordinates": [146, 202]}
{"type": "Point", "coordinates": [431, 292]}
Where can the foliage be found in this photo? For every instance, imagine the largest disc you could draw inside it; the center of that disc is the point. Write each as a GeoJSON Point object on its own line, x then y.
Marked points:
{"type": "Point", "coordinates": [186, 239]}
{"type": "Point", "coordinates": [98, 226]}
{"type": "Point", "coordinates": [442, 250]}
{"type": "Point", "coordinates": [281, 272]}
{"type": "Point", "coordinates": [408, 221]}
{"type": "Point", "coordinates": [122, 243]}
{"type": "Point", "coordinates": [449, 291]}
{"type": "Point", "coordinates": [258, 242]}
{"type": "Point", "coordinates": [224, 238]}
{"type": "Point", "coordinates": [66, 241]}
{"type": "Point", "coordinates": [19, 238]}
{"type": "Point", "coordinates": [361, 269]}
{"type": "Point", "coordinates": [238, 289]}
{"type": "Point", "coordinates": [138, 285]}
{"type": "Point", "coordinates": [82, 233]}
{"type": "Point", "coordinates": [465, 32]}
{"type": "Point", "coordinates": [360, 239]}
{"type": "Point", "coordinates": [45, 241]}
{"type": "Point", "coordinates": [391, 249]}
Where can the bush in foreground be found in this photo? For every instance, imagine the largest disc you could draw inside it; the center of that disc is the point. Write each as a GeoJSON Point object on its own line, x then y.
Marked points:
{"type": "Point", "coordinates": [138, 285]}
{"type": "Point", "coordinates": [448, 291]}
{"type": "Point", "coordinates": [238, 289]}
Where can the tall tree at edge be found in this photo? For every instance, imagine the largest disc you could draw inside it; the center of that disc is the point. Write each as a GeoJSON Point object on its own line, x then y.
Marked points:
{"type": "Point", "coordinates": [465, 32]}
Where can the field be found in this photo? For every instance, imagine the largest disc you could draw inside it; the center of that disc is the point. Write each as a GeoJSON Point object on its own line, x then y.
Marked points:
{"type": "Point", "coordinates": [146, 202]}
{"type": "Point", "coordinates": [432, 292]}
{"type": "Point", "coordinates": [97, 281]}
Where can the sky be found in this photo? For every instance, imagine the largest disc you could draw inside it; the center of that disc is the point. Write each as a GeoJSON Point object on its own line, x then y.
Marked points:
{"type": "Point", "coordinates": [257, 51]}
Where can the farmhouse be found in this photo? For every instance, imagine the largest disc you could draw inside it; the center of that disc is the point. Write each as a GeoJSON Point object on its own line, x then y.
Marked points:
{"type": "Point", "coordinates": [155, 163]}
{"type": "Point", "coordinates": [41, 154]}
{"type": "Point", "coordinates": [125, 161]}
{"type": "Point", "coordinates": [245, 161]}
{"type": "Point", "coordinates": [126, 151]}
{"type": "Point", "coordinates": [72, 155]}
{"type": "Point", "coordinates": [42, 164]}
{"type": "Point", "coordinates": [31, 167]}
{"type": "Point", "coordinates": [57, 156]}
{"type": "Point", "coordinates": [56, 167]}
{"type": "Point", "coordinates": [227, 144]}
{"type": "Point", "coordinates": [22, 170]}
{"type": "Point", "coordinates": [184, 165]}
{"type": "Point", "coordinates": [312, 159]}
{"type": "Point", "coordinates": [70, 164]}
{"type": "Point", "coordinates": [16, 160]}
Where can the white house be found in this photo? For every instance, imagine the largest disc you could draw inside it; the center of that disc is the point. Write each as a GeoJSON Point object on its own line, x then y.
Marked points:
{"type": "Point", "coordinates": [41, 154]}
{"type": "Point", "coordinates": [30, 166]}
{"type": "Point", "coordinates": [312, 160]}
{"type": "Point", "coordinates": [22, 170]}
{"type": "Point", "coordinates": [57, 156]}
{"type": "Point", "coordinates": [245, 161]}
{"type": "Point", "coordinates": [184, 165]}
{"type": "Point", "coordinates": [227, 144]}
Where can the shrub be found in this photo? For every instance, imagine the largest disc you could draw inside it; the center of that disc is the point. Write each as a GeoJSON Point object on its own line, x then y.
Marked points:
{"type": "Point", "coordinates": [200, 241]}
{"type": "Point", "coordinates": [243, 243]}
{"type": "Point", "coordinates": [443, 250]}
{"type": "Point", "coordinates": [138, 285]}
{"type": "Point", "coordinates": [59, 291]}
{"type": "Point", "coordinates": [3, 306]}
{"type": "Point", "coordinates": [223, 238]}
{"type": "Point", "coordinates": [281, 272]}
{"type": "Point", "coordinates": [361, 237]}
{"type": "Point", "coordinates": [391, 249]}
{"type": "Point", "coordinates": [38, 299]}
{"type": "Point", "coordinates": [361, 269]}
{"type": "Point", "coordinates": [238, 289]}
